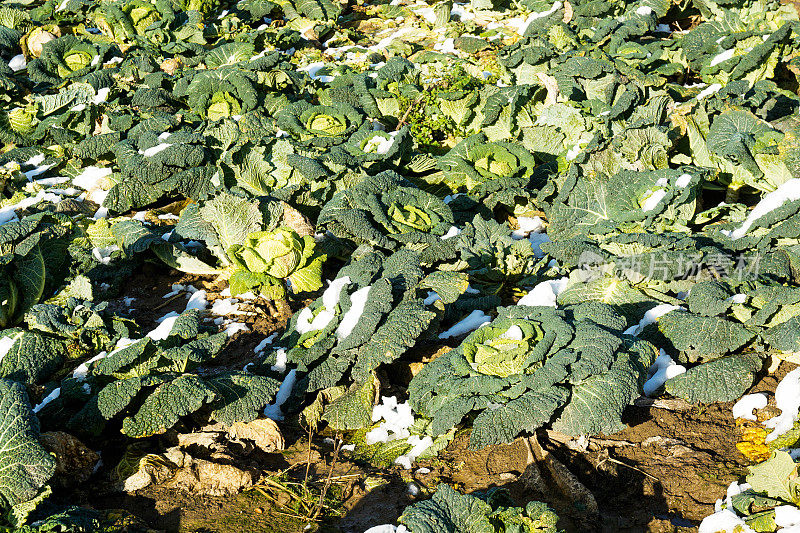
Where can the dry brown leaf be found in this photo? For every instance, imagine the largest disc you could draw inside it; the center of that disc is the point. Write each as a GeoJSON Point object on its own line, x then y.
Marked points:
{"type": "Point", "coordinates": [264, 433]}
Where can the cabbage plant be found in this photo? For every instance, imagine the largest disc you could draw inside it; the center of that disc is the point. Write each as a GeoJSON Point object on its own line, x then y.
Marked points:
{"type": "Point", "coordinates": [267, 257]}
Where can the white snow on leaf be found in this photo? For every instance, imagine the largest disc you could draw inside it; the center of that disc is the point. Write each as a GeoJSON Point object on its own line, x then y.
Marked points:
{"type": "Point", "coordinates": [17, 63]}
{"type": "Point", "coordinates": [545, 293]}
{"type": "Point", "coordinates": [650, 317]}
{"type": "Point", "coordinates": [387, 528]}
{"type": "Point", "coordinates": [102, 95]}
{"type": "Point", "coordinates": [473, 321]}
{"type": "Point", "coordinates": [164, 328]}
{"type": "Point", "coordinates": [527, 225]}
{"type": "Point", "coordinates": [452, 232]}
{"type": "Point", "coordinates": [663, 369]}
{"type": "Point", "coordinates": [306, 321]}
{"type": "Point", "coordinates": [787, 516]}
{"type": "Point", "coordinates": [358, 300]}
{"type": "Point", "coordinates": [6, 343]}
{"type": "Point", "coordinates": [198, 300]}
{"type": "Point", "coordinates": [787, 192]}
{"type": "Point", "coordinates": [47, 399]}
{"type": "Point", "coordinates": [280, 361]}
{"type": "Point", "coordinates": [90, 178]}
{"type": "Point", "coordinates": [397, 418]}
{"type": "Point", "coordinates": [379, 144]}
{"type": "Point", "coordinates": [653, 200]}
{"type": "Point", "coordinates": [522, 27]}
{"type": "Point", "coordinates": [102, 254]}
{"type": "Point", "coordinates": [683, 180]}
{"type": "Point", "coordinates": [644, 11]}
{"type": "Point", "coordinates": [723, 56]}
{"type": "Point", "coordinates": [708, 91]}
{"type": "Point", "coordinates": [8, 213]}
{"type": "Point", "coordinates": [724, 521]}
{"type": "Point", "coordinates": [273, 411]}
{"type": "Point", "coordinates": [513, 333]}
{"type": "Point", "coordinates": [155, 149]}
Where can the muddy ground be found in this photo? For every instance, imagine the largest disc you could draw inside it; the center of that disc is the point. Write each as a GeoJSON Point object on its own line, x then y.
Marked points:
{"type": "Point", "coordinates": [662, 474]}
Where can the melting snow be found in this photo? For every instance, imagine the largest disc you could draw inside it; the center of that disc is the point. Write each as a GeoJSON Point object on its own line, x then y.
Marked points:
{"type": "Point", "coordinates": [787, 192]}
{"type": "Point", "coordinates": [724, 56]}
{"type": "Point", "coordinates": [473, 321]}
{"type": "Point", "coordinates": [17, 63]}
{"type": "Point", "coordinates": [273, 410]}
{"type": "Point", "coordinates": [306, 321]}
{"type": "Point", "coordinates": [6, 343]}
{"type": "Point", "coordinates": [49, 398]}
{"type": "Point", "coordinates": [155, 149]}
{"type": "Point", "coordinates": [747, 404]}
{"type": "Point", "coordinates": [650, 317]}
{"type": "Point", "coordinates": [787, 398]}
{"type": "Point", "coordinates": [663, 368]}
{"type": "Point", "coordinates": [358, 300]}
{"type": "Point", "coordinates": [545, 293]}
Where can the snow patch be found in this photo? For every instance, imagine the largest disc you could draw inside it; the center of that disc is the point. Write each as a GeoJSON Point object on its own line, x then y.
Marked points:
{"type": "Point", "coordinates": [787, 399]}
{"type": "Point", "coordinates": [650, 317]}
{"type": "Point", "coordinates": [522, 27]}
{"type": "Point", "coordinates": [452, 232]}
{"type": "Point", "coordinates": [527, 225]}
{"type": "Point", "coordinates": [747, 404]}
{"type": "Point", "coordinates": [358, 301]}
{"type": "Point", "coordinates": [787, 516]}
{"type": "Point", "coordinates": [397, 418]}
{"type": "Point", "coordinates": [653, 200]}
{"type": "Point", "coordinates": [723, 56]}
{"type": "Point", "coordinates": [663, 368]}
{"type": "Point", "coordinates": [155, 149]}
{"type": "Point", "coordinates": [6, 343]}
{"type": "Point", "coordinates": [473, 321]}
{"type": "Point", "coordinates": [164, 328]}
{"type": "Point", "coordinates": [273, 410]}
{"type": "Point", "coordinates": [306, 321]}
{"type": "Point", "coordinates": [724, 521]}
{"type": "Point", "coordinates": [787, 192]}
{"type": "Point", "coordinates": [545, 293]}
{"type": "Point", "coordinates": [49, 398]}
{"type": "Point", "coordinates": [17, 63]}
{"type": "Point", "coordinates": [280, 361]}
{"type": "Point", "coordinates": [708, 91]}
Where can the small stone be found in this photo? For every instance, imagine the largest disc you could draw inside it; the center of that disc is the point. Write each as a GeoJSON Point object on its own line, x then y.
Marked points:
{"type": "Point", "coordinates": [259, 510]}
